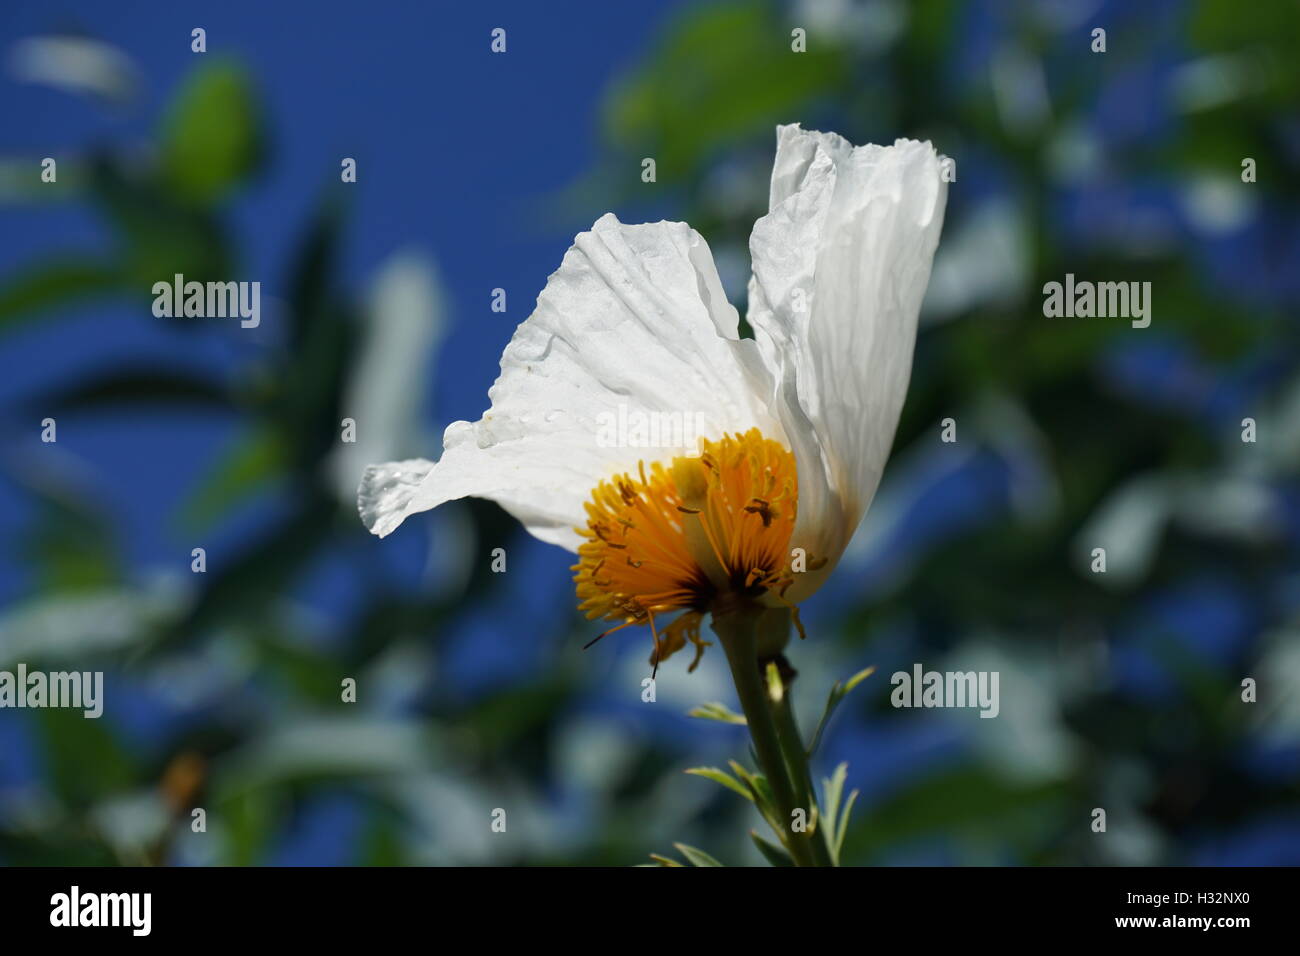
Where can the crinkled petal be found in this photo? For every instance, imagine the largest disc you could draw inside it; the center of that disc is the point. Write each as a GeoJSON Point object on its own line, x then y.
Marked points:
{"type": "Point", "coordinates": [387, 491]}
{"type": "Point", "coordinates": [841, 262]}
{"type": "Point", "coordinates": [634, 324]}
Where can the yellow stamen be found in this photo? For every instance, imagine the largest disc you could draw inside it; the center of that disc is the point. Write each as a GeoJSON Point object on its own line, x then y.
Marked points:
{"type": "Point", "coordinates": [682, 536]}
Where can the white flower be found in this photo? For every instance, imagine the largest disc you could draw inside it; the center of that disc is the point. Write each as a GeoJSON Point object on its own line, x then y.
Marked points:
{"type": "Point", "coordinates": [797, 422]}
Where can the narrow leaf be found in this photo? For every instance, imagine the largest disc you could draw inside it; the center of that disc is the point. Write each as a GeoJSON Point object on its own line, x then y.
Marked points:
{"type": "Point", "coordinates": [858, 678]}
{"type": "Point", "coordinates": [718, 712]}
{"type": "Point", "coordinates": [762, 797]}
{"type": "Point", "coordinates": [246, 467]}
{"type": "Point", "coordinates": [843, 827]}
{"type": "Point", "coordinates": [696, 856]}
{"type": "Point", "coordinates": [56, 283]}
{"type": "Point", "coordinates": [773, 854]}
{"type": "Point", "coordinates": [722, 777]}
{"type": "Point", "coordinates": [838, 692]}
{"type": "Point", "coordinates": [133, 384]}
{"type": "Point", "coordinates": [833, 790]}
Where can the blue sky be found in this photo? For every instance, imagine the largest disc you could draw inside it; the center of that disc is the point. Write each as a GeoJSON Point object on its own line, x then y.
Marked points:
{"type": "Point", "coordinates": [457, 148]}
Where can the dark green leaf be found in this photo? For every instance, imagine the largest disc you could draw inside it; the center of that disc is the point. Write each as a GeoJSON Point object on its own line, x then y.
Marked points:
{"type": "Point", "coordinates": [773, 854]}
{"type": "Point", "coordinates": [163, 388]}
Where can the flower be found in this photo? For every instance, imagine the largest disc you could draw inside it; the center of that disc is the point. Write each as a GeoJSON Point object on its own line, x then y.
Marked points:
{"type": "Point", "coordinates": [796, 422]}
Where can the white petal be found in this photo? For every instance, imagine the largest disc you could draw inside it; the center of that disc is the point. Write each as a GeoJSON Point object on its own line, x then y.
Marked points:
{"type": "Point", "coordinates": [841, 263]}
{"type": "Point", "coordinates": [634, 322]}
{"type": "Point", "coordinates": [387, 490]}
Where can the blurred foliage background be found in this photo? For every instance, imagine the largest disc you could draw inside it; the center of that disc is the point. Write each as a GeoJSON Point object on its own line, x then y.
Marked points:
{"type": "Point", "coordinates": [1119, 690]}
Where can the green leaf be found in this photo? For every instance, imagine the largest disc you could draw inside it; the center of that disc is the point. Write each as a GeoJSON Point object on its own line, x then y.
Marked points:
{"type": "Point", "coordinates": [663, 860]}
{"type": "Point", "coordinates": [832, 792]}
{"type": "Point", "coordinates": [244, 469]}
{"type": "Point", "coordinates": [250, 580]}
{"type": "Point", "coordinates": [837, 694]}
{"type": "Point", "coordinates": [750, 779]}
{"type": "Point", "coordinates": [762, 796]}
{"type": "Point", "coordinates": [722, 777]}
{"type": "Point", "coordinates": [133, 385]}
{"type": "Point", "coordinates": [210, 138]}
{"type": "Point", "coordinates": [858, 678]}
{"type": "Point", "coordinates": [55, 283]}
{"type": "Point", "coordinates": [718, 712]}
{"type": "Point", "coordinates": [836, 817]}
{"type": "Point", "coordinates": [684, 103]}
{"type": "Point", "coordinates": [773, 854]}
{"type": "Point", "coordinates": [159, 236]}
{"type": "Point", "coordinates": [85, 761]}
{"type": "Point", "coordinates": [250, 819]}
{"type": "Point", "coordinates": [70, 544]}
{"type": "Point", "coordinates": [322, 339]}
{"type": "Point", "coordinates": [314, 269]}
{"type": "Point", "coordinates": [842, 827]}
{"type": "Point", "coordinates": [696, 857]}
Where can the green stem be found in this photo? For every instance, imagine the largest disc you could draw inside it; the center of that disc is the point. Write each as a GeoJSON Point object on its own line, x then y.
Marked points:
{"type": "Point", "coordinates": [796, 759]}
{"type": "Point", "coordinates": [736, 632]}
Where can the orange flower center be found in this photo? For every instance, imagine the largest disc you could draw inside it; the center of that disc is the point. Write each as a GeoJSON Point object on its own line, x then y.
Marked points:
{"type": "Point", "coordinates": [681, 536]}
